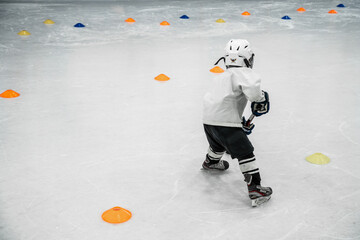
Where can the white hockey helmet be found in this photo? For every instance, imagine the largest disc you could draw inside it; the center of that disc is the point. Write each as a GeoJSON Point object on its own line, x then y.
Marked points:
{"type": "Point", "coordinates": [238, 54]}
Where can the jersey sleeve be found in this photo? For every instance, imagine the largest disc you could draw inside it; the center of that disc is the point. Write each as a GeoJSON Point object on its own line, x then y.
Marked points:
{"type": "Point", "coordinates": [250, 83]}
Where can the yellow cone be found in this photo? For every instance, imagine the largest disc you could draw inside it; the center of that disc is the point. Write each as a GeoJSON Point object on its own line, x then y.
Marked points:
{"type": "Point", "coordinates": [220, 21]}
{"type": "Point", "coordinates": [48, 21]}
{"type": "Point", "coordinates": [318, 158]}
{"type": "Point", "coordinates": [24, 33]}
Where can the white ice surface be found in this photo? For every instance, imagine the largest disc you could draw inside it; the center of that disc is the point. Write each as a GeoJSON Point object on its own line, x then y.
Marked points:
{"type": "Point", "coordinates": [92, 129]}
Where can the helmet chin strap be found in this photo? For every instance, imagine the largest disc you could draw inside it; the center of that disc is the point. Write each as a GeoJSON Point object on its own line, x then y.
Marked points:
{"type": "Point", "coordinates": [247, 63]}
{"type": "Point", "coordinates": [233, 66]}
{"type": "Point", "coordinates": [222, 58]}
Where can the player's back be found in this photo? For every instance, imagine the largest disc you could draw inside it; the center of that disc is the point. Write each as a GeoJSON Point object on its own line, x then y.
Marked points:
{"type": "Point", "coordinates": [225, 101]}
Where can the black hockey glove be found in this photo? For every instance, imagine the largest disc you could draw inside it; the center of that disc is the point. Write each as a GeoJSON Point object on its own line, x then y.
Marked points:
{"type": "Point", "coordinates": [260, 108]}
{"type": "Point", "coordinates": [247, 128]}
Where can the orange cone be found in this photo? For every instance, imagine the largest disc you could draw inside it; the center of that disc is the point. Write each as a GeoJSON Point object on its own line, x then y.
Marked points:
{"type": "Point", "coordinates": [116, 215]}
{"type": "Point", "coordinates": [130, 20]}
{"type": "Point", "coordinates": [162, 77]}
{"type": "Point", "coordinates": [164, 23]}
{"type": "Point", "coordinates": [333, 12]}
{"type": "Point", "coordinates": [9, 94]}
{"type": "Point", "coordinates": [246, 14]}
{"type": "Point", "coordinates": [217, 70]}
{"type": "Point", "coordinates": [301, 9]}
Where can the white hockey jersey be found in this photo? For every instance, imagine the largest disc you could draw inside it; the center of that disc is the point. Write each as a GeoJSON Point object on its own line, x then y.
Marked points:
{"type": "Point", "coordinates": [226, 100]}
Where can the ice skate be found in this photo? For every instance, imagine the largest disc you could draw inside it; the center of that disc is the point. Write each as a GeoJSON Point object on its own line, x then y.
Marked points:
{"type": "Point", "coordinates": [222, 165]}
{"type": "Point", "coordinates": [257, 193]}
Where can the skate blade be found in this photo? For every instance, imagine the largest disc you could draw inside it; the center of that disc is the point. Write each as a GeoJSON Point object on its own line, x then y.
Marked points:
{"type": "Point", "coordinates": [259, 201]}
{"type": "Point", "coordinates": [212, 169]}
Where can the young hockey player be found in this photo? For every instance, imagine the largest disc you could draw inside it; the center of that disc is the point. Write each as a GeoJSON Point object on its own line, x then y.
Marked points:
{"type": "Point", "coordinates": [225, 127]}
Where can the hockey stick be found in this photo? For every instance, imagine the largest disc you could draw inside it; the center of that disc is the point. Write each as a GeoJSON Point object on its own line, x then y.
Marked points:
{"type": "Point", "coordinates": [248, 122]}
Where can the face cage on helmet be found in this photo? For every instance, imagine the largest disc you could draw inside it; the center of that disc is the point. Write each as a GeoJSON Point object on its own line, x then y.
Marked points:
{"type": "Point", "coordinates": [249, 63]}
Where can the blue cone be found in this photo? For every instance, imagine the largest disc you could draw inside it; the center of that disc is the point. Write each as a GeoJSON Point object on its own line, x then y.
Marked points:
{"type": "Point", "coordinates": [341, 5]}
{"type": "Point", "coordinates": [286, 18]}
{"type": "Point", "coordinates": [184, 17]}
{"type": "Point", "coordinates": [79, 25]}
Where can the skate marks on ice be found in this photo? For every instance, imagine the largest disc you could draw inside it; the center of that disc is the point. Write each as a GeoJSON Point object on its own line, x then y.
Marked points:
{"type": "Point", "coordinates": [317, 208]}
{"type": "Point", "coordinates": [174, 194]}
{"type": "Point", "coordinates": [351, 222]}
{"type": "Point", "coordinates": [292, 232]}
{"type": "Point", "coordinates": [345, 131]}
{"type": "Point", "coordinates": [223, 187]}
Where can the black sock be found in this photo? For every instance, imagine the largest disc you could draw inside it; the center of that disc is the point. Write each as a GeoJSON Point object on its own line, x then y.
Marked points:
{"type": "Point", "coordinates": [212, 161]}
{"type": "Point", "coordinates": [256, 179]}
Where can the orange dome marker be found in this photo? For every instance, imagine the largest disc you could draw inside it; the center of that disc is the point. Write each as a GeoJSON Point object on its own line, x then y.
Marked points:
{"type": "Point", "coordinates": [217, 70]}
{"type": "Point", "coordinates": [116, 215]}
{"type": "Point", "coordinates": [333, 12]}
{"type": "Point", "coordinates": [301, 9]}
{"type": "Point", "coordinates": [162, 77]}
{"type": "Point", "coordinates": [246, 14]}
{"type": "Point", "coordinates": [9, 94]}
{"type": "Point", "coordinates": [130, 20]}
{"type": "Point", "coordinates": [164, 23]}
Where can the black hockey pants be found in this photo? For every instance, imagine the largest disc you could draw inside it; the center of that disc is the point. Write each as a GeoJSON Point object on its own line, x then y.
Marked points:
{"type": "Point", "coordinates": [230, 139]}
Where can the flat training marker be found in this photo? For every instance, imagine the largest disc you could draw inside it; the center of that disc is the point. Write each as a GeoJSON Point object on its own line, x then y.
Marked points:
{"type": "Point", "coordinates": [246, 14]}
{"type": "Point", "coordinates": [116, 215]}
{"type": "Point", "coordinates": [341, 5]}
{"type": "Point", "coordinates": [217, 70]}
{"type": "Point", "coordinates": [9, 94]}
{"type": "Point", "coordinates": [164, 23]}
{"type": "Point", "coordinates": [130, 20]}
{"type": "Point", "coordinates": [318, 158]}
{"type": "Point", "coordinates": [24, 33]}
{"type": "Point", "coordinates": [49, 21]}
{"type": "Point", "coordinates": [333, 12]}
{"type": "Point", "coordinates": [162, 77]}
{"type": "Point", "coordinates": [79, 25]}
{"type": "Point", "coordinates": [220, 20]}
{"type": "Point", "coordinates": [301, 9]}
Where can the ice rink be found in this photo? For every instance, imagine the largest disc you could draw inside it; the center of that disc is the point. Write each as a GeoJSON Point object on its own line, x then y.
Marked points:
{"type": "Point", "coordinates": [92, 129]}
